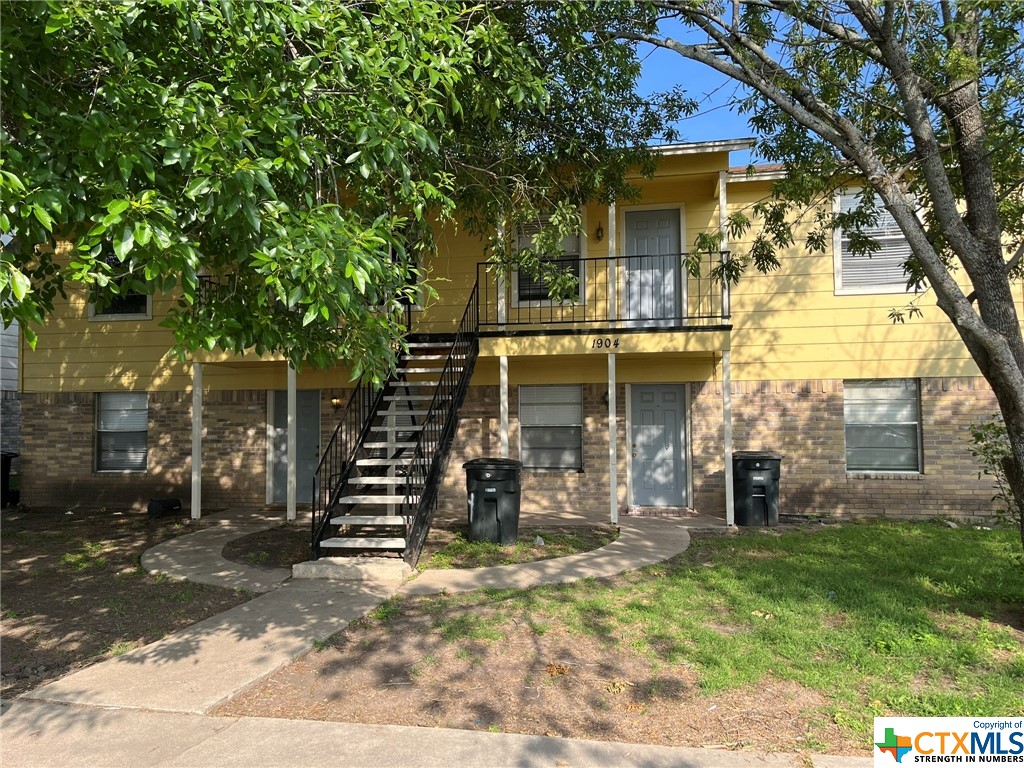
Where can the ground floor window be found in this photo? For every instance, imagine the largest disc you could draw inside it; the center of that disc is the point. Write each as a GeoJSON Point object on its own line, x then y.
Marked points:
{"type": "Point", "coordinates": [122, 421]}
{"type": "Point", "coordinates": [883, 425]}
{"type": "Point", "coordinates": [551, 426]}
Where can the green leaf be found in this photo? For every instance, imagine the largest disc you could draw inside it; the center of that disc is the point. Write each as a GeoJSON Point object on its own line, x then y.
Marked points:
{"type": "Point", "coordinates": [124, 244]}
{"type": "Point", "coordinates": [20, 285]}
{"type": "Point", "coordinates": [43, 217]}
{"type": "Point", "coordinates": [118, 206]}
{"type": "Point", "coordinates": [309, 316]}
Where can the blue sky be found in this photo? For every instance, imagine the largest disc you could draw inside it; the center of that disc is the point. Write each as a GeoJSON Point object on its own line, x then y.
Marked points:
{"type": "Point", "coordinates": [664, 69]}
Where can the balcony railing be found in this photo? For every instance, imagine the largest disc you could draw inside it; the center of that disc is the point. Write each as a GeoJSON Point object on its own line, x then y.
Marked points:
{"type": "Point", "coordinates": [662, 292]}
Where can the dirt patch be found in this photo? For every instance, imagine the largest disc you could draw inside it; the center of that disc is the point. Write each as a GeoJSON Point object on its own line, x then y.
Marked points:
{"type": "Point", "coordinates": [74, 592]}
{"type": "Point", "coordinates": [479, 671]}
{"type": "Point", "coordinates": [285, 545]}
{"type": "Point", "coordinates": [280, 547]}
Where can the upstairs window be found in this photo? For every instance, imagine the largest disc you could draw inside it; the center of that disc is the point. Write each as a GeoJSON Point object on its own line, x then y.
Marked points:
{"type": "Point", "coordinates": [551, 427]}
{"type": "Point", "coordinates": [122, 424]}
{"type": "Point", "coordinates": [130, 306]}
{"type": "Point", "coordinates": [528, 289]}
{"type": "Point", "coordinates": [883, 425]}
{"type": "Point", "coordinates": [882, 271]}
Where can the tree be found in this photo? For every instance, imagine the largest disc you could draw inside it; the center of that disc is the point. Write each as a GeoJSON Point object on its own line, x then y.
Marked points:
{"type": "Point", "coordinates": [280, 165]}
{"type": "Point", "coordinates": [923, 102]}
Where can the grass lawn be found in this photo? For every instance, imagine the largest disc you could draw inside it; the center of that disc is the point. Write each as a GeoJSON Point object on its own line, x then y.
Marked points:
{"type": "Point", "coordinates": [451, 548]}
{"type": "Point", "coordinates": [791, 640]}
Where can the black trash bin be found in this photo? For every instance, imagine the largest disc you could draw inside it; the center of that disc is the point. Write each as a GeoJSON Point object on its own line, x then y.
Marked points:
{"type": "Point", "coordinates": [492, 486]}
{"type": "Point", "coordinates": [5, 477]}
{"type": "Point", "coordinates": [755, 483]}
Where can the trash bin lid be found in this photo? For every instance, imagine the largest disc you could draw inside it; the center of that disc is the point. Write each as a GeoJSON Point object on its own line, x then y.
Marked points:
{"type": "Point", "coordinates": [757, 455]}
{"type": "Point", "coordinates": [488, 463]}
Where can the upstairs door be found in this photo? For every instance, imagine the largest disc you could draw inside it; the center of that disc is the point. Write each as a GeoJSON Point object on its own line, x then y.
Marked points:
{"type": "Point", "coordinates": [307, 413]}
{"type": "Point", "coordinates": [652, 266]}
{"type": "Point", "coordinates": [658, 450]}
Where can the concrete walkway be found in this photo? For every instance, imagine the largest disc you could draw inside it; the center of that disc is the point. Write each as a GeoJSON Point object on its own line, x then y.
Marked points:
{"type": "Point", "coordinates": [148, 707]}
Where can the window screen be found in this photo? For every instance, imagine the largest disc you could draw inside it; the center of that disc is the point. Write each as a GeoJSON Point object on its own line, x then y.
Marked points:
{"type": "Point", "coordinates": [534, 289]}
{"type": "Point", "coordinates": [551, 427]}
{"type": "Point", "coordinates": [884, 268]}
{"type": "Point", "coordinates": [122, 421]}
{"type": "Point", "coordinates": [883, 425]}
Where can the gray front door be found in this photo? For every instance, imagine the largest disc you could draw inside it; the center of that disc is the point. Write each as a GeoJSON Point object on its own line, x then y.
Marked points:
{"type": "Point", "coordinates": [652, 265]}
{"type": "Point", "coordinates": [307, 413]}
{"type": "Point", "coordinates": [658, 451]}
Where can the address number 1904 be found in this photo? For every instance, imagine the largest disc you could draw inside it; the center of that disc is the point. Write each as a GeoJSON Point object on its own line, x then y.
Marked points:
{"type": "Point", "coordinates": [604, 342]}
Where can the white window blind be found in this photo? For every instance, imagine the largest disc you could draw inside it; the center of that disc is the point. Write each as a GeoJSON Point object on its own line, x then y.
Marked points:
{"type": "Point", "coordinates": [551, 426]}
{"type": "Point", "coordinates": [883, 425]}
{"type": "Point", "coordinates": [884, 268]}
{"type": "Point", "coordinates": [122, 422]}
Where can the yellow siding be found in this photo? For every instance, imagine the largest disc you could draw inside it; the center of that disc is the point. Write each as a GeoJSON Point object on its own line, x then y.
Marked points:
{"type": "Point", "coordinates": [786, 325]}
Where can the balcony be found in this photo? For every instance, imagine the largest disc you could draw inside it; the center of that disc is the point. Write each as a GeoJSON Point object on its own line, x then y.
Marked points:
{"type": "Point", "coordinates": [666, 292]}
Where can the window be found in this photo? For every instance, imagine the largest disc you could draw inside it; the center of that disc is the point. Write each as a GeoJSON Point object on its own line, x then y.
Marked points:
{"type": "Point", "coordinates": [551, 427]}
{"type": "Point", "coordinates": [882, 272]}
{"type": "Point", "coordinates": [883, 425]}
{"type": "Point", "coordinates": [530, 289]}
{"type": "Point", "coordinates": [130, 306]}
{"type": "Point", "coordinates": [122, 420]}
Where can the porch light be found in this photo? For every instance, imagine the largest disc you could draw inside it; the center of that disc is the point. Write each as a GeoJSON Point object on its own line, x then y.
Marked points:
{"type": "Point", "coordinates": [336, 403]}
{"type": "Point", "coordinates": [599, 232]}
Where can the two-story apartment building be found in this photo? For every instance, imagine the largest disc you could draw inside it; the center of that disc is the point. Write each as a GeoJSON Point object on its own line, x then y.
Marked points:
{"type": "Point", "coordinates": [629, 399]}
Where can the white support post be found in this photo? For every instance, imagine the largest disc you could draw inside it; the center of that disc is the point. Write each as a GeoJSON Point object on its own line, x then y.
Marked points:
{"type": "Point", "coordinates": [727, 435]}
{"type": "Point", "coordinates": [502, 302]}
{"type": "Point", "coordinates": [197, 440]}
{"type": "Point", "coordinates": [613, 268]}
{"type": "Point", "coordinates": [613, 444]}
{"type": "Point", "coordinates": [503, 368]}
{"type": "Point", "coordinates": [293, 428]}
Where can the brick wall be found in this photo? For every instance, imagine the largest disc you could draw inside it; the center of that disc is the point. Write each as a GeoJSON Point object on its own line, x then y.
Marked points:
{"type": "Point", "coordinates": [58, 454]}
{"type": "Point", "coordinates": [10, 424]}
{"type": "Point", "coordinates": [803, 420]}
{"type": "Point", "coordinates": [558, 497]}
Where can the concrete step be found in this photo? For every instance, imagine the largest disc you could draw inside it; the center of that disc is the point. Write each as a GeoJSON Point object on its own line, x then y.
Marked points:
{"type": "Point", "coordinates": [392, 570]}
{"type": "Point", "coordinates": [377, 480]}
{"type": "Point", "coordinates": [368, 520]}
{"type": "Point", "coordinates": [397, 428]}
{"type": "Point", "coordinates": [393, 411]}
{"type": "Point", "coordinates": [402, 461]}
{"type": "Point", "coordinates": [386, 444]}
{"type": "Point", "coordinates": [415, 383]}
{"type": "Point", "coordinates": [372, 500]}
{"type": "Point", "coordinates": [420, 370]}
{"type": "Point", "coordinates": [375, 542]}
{"type": "Point", "coordinates": [418, 358]}
{"type": "Point", "coordinates": [429, 345]}
{"type": "Point", "coordinates": [404, 398]}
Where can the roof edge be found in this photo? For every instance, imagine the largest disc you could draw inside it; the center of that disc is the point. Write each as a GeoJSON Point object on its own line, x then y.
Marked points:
{"type": "Point", "coordinates": [696, 147]}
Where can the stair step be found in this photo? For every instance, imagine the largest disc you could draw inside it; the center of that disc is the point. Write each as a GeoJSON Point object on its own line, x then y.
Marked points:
{"type": "Point", "coordinates": [386, 444]}
{"type": "Point", "coordinates": [420, 370]}
{"type": "Point", "coordinates": [397, 428]}
{"type": "Point", "coordinates": [371, 499]}
{"type": "Point", "coordinates": [403, 461]}
{"type": "Point", "coordinates": [344, 542]}
{"type": "Point", "coordinates": [397, 412]}
{"type": "Point", "coordinates": [415, 383]}
{"type": "Point", "coordinates": [403, 398]}
{"type": "Point", "coordinates": [429, 345]}
{"type": "Point", "coordinates": [378, 480]}
{"type": "Point", "coordinates": [420, 358]}
{"type": "Point", "coordinates": [368, 520]}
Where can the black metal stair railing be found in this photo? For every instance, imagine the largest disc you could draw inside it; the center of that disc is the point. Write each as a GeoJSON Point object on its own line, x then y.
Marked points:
{"type": "Point", "coordinates": [338, 459]}
{"type": "Point", "coordinates": [426, 471]}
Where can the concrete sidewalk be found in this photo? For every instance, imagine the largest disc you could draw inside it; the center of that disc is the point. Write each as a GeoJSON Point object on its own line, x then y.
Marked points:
{"type": "Point", "coordinates": [37, 734]}
{"type": "Point", "coordinates": [147, 707]}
